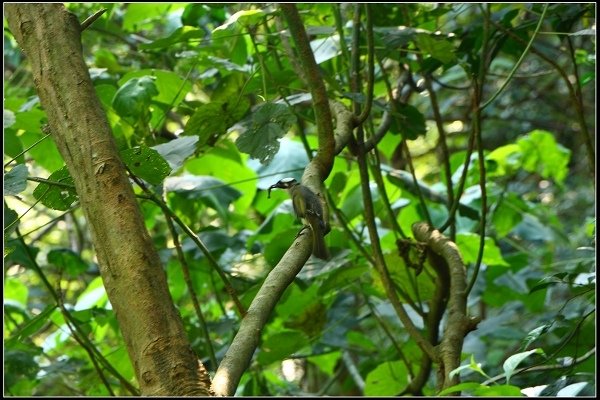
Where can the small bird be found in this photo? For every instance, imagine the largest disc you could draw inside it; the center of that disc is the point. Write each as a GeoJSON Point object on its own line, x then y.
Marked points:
{"type": "Point", "coordinates": [307, 207]}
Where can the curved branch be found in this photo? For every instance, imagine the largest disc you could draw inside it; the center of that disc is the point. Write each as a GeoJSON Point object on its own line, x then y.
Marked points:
{"type": "Point", "coordinates": [247, 339]}
{"type": "Point", "coordinates": [458, 323]}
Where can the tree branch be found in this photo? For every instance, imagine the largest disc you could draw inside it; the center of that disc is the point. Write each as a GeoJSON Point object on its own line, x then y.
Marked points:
{"type": "Point", "coordinates": [458, 324]}
{"type": "Point", "coordinates": [163, 360]}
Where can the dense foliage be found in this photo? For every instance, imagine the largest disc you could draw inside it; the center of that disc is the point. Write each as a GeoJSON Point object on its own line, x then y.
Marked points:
{"type": "Point", "coordinates": [492, 104]}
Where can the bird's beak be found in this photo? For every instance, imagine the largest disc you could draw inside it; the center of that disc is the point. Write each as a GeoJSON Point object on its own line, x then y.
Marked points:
{"type": "Point", "coordinates": [269, 191]}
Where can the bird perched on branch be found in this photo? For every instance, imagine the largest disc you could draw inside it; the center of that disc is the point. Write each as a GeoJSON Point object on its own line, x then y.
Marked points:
{"type": "Point", "coordinates": [307, 207]}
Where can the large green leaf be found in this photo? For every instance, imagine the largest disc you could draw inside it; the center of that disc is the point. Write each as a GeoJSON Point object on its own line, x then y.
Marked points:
{"type": "Point", "coordinates": [508, 214]}
{"type": "Point", "coordinates": [388, 379]}
{"type": "Point", "coordinates": [263, 129]}
{"type": "Point", "coordinates": [171, 88]}
{"type": "Point", "coordinates": [231, 36]}
{"type": "Point", "coordinates": [68, 261]}
{"type": "Point", "coordinates": [227, 164]}
{"type": "Point", "coordinates": [468, 243]}
{"type": "Point", "coordinates": [408, 121]}
{"type": "Point", "coordinates": [177, 151]}
{"type": "Point", "coordinates": [289, 161]}
{"type": "Point", "coordinates": [15, 180]}
{"type": "Point", "coordinates": [41, 146]}
{"type": "Point", "coordinates": [543, 155]}
{"type": "Point", "coordinates": [140, 16]}
{"type": "Point", "coordinates": [210, 121]}
{"type": "Point", "coordinates": [134, 97]}
{"type": "Point", "coordinates": [9, 119]}
{"type": "Point", "coordinates": [146, 163]}
{"type": "Point", "coordinates": [438, 48]}
{"type": "Point", "coordinates": [212, 192]}
{"type": "Point", "coordinates": [57, 197]}
{"type": "Point", "coordinates": [33, 326]}
{"type": "Point", "coordinates": [281, 345]}
{"type": "Point", "coordinates": [16, 290]}
{"type": "Point", "coordinates": [13, 146]}
{"type": "Point", "coordinates": [513, 361]}
{"type": "Point", "coordinates": [183, 34]}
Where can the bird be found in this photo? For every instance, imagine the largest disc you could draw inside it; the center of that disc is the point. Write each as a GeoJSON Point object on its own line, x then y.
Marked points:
{"type": "Point", "coordinates": [308, 208]}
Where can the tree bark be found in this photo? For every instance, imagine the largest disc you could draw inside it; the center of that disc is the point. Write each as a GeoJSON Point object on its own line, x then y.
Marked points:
{"type": "Point", "coordinates": [162, 357]}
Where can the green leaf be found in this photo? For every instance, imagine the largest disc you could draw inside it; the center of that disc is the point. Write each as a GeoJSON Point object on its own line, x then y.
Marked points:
{"type": "Point", "coordinates": [33, 326]}
{"type": "Point", "coordinates": [177, 151]}
{"type": "Point", "coordinates": [472, 366]}
{"type": "Point", "coordinates": [210, 121]}
{"type": "Point", "coordinates": [231, 36]}
{"type": "Point", "coordinates": [15, 290]}
{"type": "Point", "coordinates": [9, 119]}
{"type": "Point", "coordinates": [171, 88]}
{"type": "Point", "coordinates": [289, 161]}
{"type": "Point", "coordinates": [225, 163]}
{"type": "Point", "coordinates": [20, 365]}
{"type": "Point", "coordinates": [535, 334]}
{"type": "Point", "coordinates": [541, 154]}
{"type": "Point", "coordinates": [134, 97]}
{"type": "Point", "coordinates": [509, 214]}
{"type": "Point", "coordinates": [468, 243]}
{"type": "Point", "coordinates": [106, 94]}
{"type": "Point", "coordinates": [464, 386]}
{"type": "Point", "coordinates": [353, 205]}
{"type": "Point", "coordinates": [408, 121]}
{"type": "Point", "coordinates": [341, 277]}
{"type": "Point", "coordinates": [498, 391]}
{"type": "Point", "coordinates": [438, 48]}
{"type": "Point", "coordinates": [403, 277]}
{"type": "Point", "coordinates": [44, 152]}
{"type": "Point", "coordinates": [57, 197]}
{"type": "Point", "coordinates": [15, 180]}
{"type": "Point", "coordinates": [67, 260]}
{"type": "Point", "coordinates": [267, 124]}
{"type": "Point", "coordinates": [361, 341]}
{"type": "Point", "coordinates": [13, 146]}
{"type": "Point", "coordinates": [140, 16]}
{"type": "Point", "coordinates": [146, 164]}
{"type": "Point", "coordinates": [212, 192]}
{"type": "Point", "coordinates": [388, 379]}
{"type": "Point", "coordinates": [513, 361]}
{"type": "Point", "coordinates": [326, 362]}
{"type": "Point", "coordinates": [281, 345]}
{"type": "Point", "coordinates": [182, 34]}
{"type": "Point", "coordinates": [94, 295]}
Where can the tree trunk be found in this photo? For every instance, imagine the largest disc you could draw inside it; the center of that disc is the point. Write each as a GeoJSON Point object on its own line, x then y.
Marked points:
{"type": "Point", "coordinates": [163, 359]}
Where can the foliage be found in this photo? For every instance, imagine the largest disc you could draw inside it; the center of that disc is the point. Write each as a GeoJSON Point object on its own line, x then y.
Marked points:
{"type": "Point", "coordinates": [209, 108]}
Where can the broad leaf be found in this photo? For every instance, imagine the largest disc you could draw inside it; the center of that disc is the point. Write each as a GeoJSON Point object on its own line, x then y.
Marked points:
{"type": "Point", "coordinates": [267, 124]}
{"type": "Point", "coordinates": [58, 197]}
{"type": "Point", "coordinates": [468, 243]}
{"type": "Point", "coordinates": [408, 121]}
{"type": "Point", "coordinates": [177, 151]}
{"type": "Point", "coordinates": [15, 180]}
{"type": "Point", "coordinates": [543, 155]}
{"type": "Point", "coordinates": [134, 97]}
{"type": "Point", "coordinates": [281, 345]}
{"type": "Point", "coordinates": [146, 163]}
{"type": "Point", "coordinates": [513, 362]}
{"type": "Point", "coordinates": [67, 260]}
{"type": "Point", "coordinates": [388, 379]}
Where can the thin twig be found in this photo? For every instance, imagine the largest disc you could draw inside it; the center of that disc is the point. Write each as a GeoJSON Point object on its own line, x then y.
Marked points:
{"type": "Point", "coordinates": [92, 18]}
